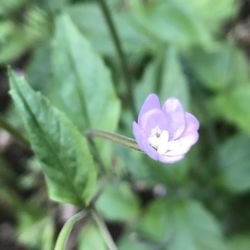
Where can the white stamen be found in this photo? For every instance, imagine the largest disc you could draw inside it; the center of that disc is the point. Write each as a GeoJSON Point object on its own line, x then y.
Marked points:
{"type": "Point", "coordinates": [159, 140]}
{"type": "Point", "coordinates": [163, 142]}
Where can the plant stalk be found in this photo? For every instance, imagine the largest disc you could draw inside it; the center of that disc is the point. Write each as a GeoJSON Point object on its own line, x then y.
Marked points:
{"type": "Point", "coordinates": [120, 139]}
{"type": "Point", "coordinates": [118, 45]}
{"type": "Point", "coordinates": [104, 230]}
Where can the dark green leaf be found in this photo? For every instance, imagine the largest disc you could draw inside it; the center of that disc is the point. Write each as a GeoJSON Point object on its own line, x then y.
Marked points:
{"type": "Point", "coordinates": [68, 166]}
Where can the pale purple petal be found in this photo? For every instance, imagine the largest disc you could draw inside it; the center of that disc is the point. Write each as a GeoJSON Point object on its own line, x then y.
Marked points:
{"type": "Point", "coordinates": [189, 137]}
{"type": "Point", "coordinates": [170, 159]}
{"type": "Point", "coordinates": [154, 118]}
{"type": "Point", "coordinates": [176, 116]}
{"type": "Point", "coordinates": [191, 123]}
{"type": "Point", "coordinates": [182, 145]}
{"type": "Point", "coordinates": [165, 134]}
{"type": "Point", "coordinates": [142, 141]}
{"type": "Point", "coordinates": [152, 102]}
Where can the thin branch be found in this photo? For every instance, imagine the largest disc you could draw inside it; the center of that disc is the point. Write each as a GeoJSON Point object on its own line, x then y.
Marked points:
{"type": "Point", "coordinates": [118, 45]}
{"type": "Point", "coordinates": [104, 230]}
{"type": "Point", "coordinates": [120, 139]}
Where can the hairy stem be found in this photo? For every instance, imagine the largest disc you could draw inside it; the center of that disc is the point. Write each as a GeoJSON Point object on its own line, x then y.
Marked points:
{"type": "Point", "coordinates": [120, 139]}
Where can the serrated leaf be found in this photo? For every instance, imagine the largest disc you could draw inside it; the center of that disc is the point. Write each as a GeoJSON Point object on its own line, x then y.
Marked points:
{"type": "Point", "coordinates": [68, 166]}
{"type": "Point", "coordinates": [181, 224]}
{"type": "Point", "coordinates": [234, 162]}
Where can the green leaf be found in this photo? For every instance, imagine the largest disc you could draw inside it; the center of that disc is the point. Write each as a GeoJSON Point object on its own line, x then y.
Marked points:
{"type": "Point", "coordinates": [31, 232]}
{"type": "Point", "coordinates": [234, 162]}
{"type": "Point", "coordinates": [118, 203]}
{"type": "Point", "coordinates": [218, 13]}
{"type": "Point", "coordinates": [173, 22]}
{"type": "Point", "coordinates": [47, 240]}
{"type": "Point", "coordinates": [165, 76]}
{"type": "Point", "coordinates": [173, 80]}
{"type": "Point", "coordinates": [233, 106]}
{"type": "Point", "coordinates": [148, 82]}
{"type": "Point", "coordinates": [39, 77]}
{"type": "Point", "coordinates": [68, 166]}
{"type": "Point", "coordinates": [181, 224]}
{"type": "Point", "coordinates": [131, 242]}
{"type": "Point", "coordinates": [91, 238]}
{"type": "Point", "coordinates": [65, 232]}
{"type": "Point", "coordinates": [80, 75]}
{"type": "Point", "coordinates": [239, 242]}
{"type": "Point", "coordinates": [24, 36]}
{"type": "Point", "coordinates": [220, 68]}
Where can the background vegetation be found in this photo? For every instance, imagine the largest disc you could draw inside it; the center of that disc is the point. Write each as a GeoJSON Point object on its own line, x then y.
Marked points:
{"type": "Point", "coordinates": [196, 50]}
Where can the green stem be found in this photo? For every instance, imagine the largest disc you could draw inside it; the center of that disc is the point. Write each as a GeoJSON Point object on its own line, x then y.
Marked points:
{"type": "Point", "coordinates": [120, 139]}
{"type": "Point", "coordinates": [66, 230]}
{"type": "Point", "coordinates": [15, 133]}
{"type": "Point", "coordinates": [104, 230]}
{"type": "Point", "coordinates": [119, 49]}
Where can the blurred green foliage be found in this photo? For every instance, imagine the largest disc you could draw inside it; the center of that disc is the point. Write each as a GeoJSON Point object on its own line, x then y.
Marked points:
{"type": "Point", "coordinates": [173, 48]}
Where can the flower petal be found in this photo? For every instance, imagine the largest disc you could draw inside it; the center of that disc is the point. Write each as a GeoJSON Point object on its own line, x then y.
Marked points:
{"type": "Point", "coordinates": [152, 119]}
{"type": "Point", "coordinates": [142, 141]}
{"type": "Point", "coordinates": [176, 116]}
{"type": "Point", "coordinates": [170, 159]}
{"type": "Point", "coordinates": [189, 137]}
{"type": "Point", "coordinates": [152, 102]}
{"type": "Point", "coordinates": [191, 123]}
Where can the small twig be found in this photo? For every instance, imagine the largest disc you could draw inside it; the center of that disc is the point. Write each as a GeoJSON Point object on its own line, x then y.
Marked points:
{"type": "Point", "coordinates": [120, 52]}
{"type": "Point", "coordinates": [120, 139]}
{"type": "Point", "coordinates": [15, 133]}
{"type": "Point", "coordinates": [104, 230]}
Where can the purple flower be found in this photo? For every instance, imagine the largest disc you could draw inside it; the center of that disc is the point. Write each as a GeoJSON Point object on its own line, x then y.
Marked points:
{"type": "Point", "coordinates": [165, 133]}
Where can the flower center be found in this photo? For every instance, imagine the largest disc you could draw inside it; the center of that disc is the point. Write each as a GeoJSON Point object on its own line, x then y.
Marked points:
{"type": "Point", "coordinates": [159, 140]}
